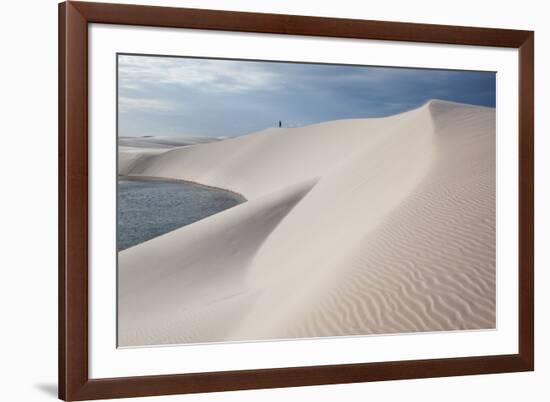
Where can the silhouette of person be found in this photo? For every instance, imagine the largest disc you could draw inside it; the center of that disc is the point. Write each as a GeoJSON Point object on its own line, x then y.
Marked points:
{"type": "Point", "coordinates": [279, 123]}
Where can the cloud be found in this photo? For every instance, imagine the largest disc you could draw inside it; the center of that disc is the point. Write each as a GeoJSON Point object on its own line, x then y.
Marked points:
{"type": "Point", "coordinates": [128, 105]}
{"type": "Point", "coordinates": [138, 72]}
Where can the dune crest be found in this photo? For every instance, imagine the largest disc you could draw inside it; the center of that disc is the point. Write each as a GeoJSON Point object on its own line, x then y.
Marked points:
{"type": "Point", "coordinates": [352, 227]}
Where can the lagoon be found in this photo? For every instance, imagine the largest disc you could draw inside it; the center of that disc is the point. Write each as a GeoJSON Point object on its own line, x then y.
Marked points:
{"type": "Point", "coordinates": [150, 208]}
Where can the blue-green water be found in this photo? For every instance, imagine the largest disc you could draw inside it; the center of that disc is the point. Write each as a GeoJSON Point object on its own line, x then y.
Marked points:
{"type": "Point", "coordinates": [147, 209]}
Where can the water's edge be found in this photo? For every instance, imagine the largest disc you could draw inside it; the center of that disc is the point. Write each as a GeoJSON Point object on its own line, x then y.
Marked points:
{"type": "Point", "coordinates": [170, 180]}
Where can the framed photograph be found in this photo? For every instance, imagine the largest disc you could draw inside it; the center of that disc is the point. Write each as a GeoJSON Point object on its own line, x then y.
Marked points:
{"type": "Point", "coordinates": [259, 200]}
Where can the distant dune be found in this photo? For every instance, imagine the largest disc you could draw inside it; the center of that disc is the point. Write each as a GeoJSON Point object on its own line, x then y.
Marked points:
{"type": "Point", "coordinates": [161, 142]}
{"type": "Point", "coordinates": [352, 227]}
{"type": "Point", "coordinates": [133, 151]}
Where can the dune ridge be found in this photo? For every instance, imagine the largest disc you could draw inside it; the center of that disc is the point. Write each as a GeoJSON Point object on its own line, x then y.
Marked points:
{"type": "Point", "coordinates": [352, 227]}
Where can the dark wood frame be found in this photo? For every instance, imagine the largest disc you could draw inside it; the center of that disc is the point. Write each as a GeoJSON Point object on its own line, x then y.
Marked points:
{"type": "Point", "coordinates": [74, 383]}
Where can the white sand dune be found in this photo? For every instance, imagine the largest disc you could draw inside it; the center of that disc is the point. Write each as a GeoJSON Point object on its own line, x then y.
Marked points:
{"type": "Point", "coordinates": [351, 227]}
{"type": "Point", "coordinates": [133, 151]}
{"type": "Point", "coordinates": [161, 142]}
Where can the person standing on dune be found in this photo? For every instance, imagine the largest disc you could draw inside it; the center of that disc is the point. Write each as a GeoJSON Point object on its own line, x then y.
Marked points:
{"type": "Point", "coordinates": [279, 123]}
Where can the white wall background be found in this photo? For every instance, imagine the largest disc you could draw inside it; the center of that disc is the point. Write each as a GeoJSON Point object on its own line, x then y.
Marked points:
{"type": "Point", "coordinates": [28, 205]}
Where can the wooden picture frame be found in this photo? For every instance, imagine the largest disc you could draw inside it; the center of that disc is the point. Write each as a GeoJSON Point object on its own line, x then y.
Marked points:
{"type": "Point", "coordinates": [74, 381]}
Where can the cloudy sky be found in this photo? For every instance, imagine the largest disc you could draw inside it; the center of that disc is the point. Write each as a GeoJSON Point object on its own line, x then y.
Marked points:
{"type": "Point", "coordinates": [173, 96]}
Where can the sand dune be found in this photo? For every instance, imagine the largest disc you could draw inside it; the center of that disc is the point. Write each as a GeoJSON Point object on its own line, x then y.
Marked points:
{"type": "Point", "coordinates": [161, 142]}
{"type": "Point", "coordinates": [351, 227]}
